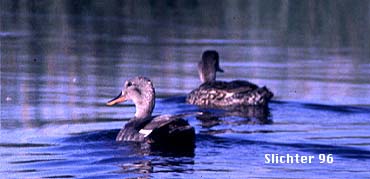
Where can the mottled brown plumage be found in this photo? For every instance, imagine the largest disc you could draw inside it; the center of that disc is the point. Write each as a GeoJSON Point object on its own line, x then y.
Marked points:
{"type": "Point", "coordinates": [224, 94]}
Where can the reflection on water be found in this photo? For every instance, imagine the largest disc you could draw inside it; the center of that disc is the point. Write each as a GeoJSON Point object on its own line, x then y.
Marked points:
{"type": "Point", "coordinates": [62, 60]}
{"type": "Point", "coordinates": [307, 51]}
{"type": "Point", "coordinates": [246, 115]}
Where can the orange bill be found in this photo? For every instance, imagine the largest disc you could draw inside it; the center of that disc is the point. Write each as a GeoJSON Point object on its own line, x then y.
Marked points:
{"type": "Point", "coordinates": [120, 98]}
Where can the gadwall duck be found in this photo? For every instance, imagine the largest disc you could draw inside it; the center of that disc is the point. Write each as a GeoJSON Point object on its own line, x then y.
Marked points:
{"type": "Point", "coordinates": [212, 93]}
{"type": "Point", "coordinates": [143, 127]}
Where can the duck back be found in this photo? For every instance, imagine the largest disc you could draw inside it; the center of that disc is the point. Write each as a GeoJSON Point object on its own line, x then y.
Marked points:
{"type": "Point", "coordinates": [161, 129]}
{"type": "Point", "coordinates": [171, 130]}
{"type": "Point", "coordinates": [226, 94]}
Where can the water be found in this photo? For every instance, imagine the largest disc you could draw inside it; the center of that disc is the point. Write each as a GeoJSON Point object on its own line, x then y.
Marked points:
{"type": "Point", "coordinates": [62, 60]}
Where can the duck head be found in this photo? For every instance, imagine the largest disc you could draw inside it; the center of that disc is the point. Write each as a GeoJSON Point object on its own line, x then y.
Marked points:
{"type": "Point", "coordinates": [141, 91]}
{"type": "Point", "coordinates": [208, 66]}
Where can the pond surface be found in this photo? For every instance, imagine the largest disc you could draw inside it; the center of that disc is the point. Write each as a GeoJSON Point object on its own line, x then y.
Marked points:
{"type": "Point", "coordinates": [61, 61]}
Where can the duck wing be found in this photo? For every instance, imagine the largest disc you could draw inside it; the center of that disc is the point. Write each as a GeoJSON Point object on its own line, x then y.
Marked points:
{"type": "Point", "coordinates": [220, 94]}
{"type": "Point", "coordinates": [217, 92]}
{"type": "Point", "coordinates": [230, 87]}
{"type": "Point", "coordinates": [168, 129]}
{"type": "Point", "coordinates": [130, 132]}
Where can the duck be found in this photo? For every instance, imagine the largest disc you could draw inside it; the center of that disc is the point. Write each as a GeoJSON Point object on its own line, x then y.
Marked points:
{"type": "Point", "coordinates": [222, 94]}
{"type": "Point", "coordinates": [144, 127]}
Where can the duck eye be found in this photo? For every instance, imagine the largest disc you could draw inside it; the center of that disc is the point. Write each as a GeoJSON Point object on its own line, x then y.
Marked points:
{"type": "Point", "coordinates": [128, 84]}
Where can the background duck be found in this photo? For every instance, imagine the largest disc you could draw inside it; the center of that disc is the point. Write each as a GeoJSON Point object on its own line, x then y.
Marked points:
{"type": "Point", "coordinates": [214, 93]}
{"type": "Point", "coordinates": [143, 127]}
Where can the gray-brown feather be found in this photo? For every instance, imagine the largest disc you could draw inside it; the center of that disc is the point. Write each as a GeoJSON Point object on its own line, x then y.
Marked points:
{"type": "Point", "coordinates": [169, 128]}
{"type": "Point", "coordinates": [159, 128]}
{"type": "Point", "coordinates": [221, 94]}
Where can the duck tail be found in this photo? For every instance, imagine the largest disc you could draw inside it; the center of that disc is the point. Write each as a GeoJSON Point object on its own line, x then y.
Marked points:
{"type": "Point", "coordinates": [262, 96]}
{"type": "Point", "coordinates": [267, 93]}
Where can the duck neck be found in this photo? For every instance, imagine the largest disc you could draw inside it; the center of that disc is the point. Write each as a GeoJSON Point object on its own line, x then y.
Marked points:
{"type": "Point", "coordinates": [206, 71]}
{"type": "Point", "coordinates": [144, 109]}
{"type": "Point", "coordinates": [207, 77]}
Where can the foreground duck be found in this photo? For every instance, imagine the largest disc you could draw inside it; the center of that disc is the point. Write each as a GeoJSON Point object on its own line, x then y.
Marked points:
{"type": "Point", "coordinates": [212, 93]}
{"type": "Point", "coordinates": [143, 127]}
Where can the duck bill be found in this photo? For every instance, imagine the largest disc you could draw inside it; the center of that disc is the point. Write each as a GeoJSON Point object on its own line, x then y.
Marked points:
{"type": "Point", "coordinates": [120, 98]}
{"type": "Point", "coordinates": [219, 69]}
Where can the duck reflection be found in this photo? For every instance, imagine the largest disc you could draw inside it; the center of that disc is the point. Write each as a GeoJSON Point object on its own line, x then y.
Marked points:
{"type": "Point", "coordinates": [150, 157]}
{"type": "Point", "coordinates": [233, 116]}
{"type": "Point", "coordinates": [139, 167]}
{"type": "Point", "coordinates": [162, 149]}
{"type": "Point", "coordinates": [136, 159]}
